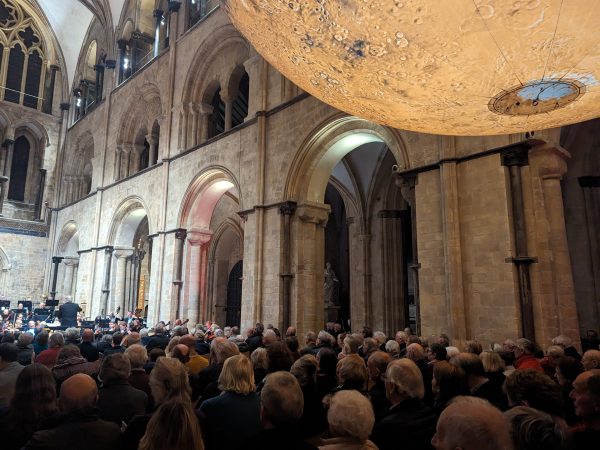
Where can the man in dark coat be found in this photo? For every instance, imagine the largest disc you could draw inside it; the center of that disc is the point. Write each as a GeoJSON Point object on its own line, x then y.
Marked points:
{"type": "Point", "coordinates": [87, 348]}
{"type": "Point", "coordinates": [160, 338]}
{"type": "Point", "coordinates": [409, 423]}
{"type": "Point", "coordinates": [80, 426]}
{"type": "Point", "coordinates": [67, 313]}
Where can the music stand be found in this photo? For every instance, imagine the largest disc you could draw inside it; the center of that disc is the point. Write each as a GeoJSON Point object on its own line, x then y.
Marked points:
{"type": "Point", "coordinates": [87, 324]}
{"type": "Point", "coordinates": [27, 304]}
{"type": "Point", "coordinates": [5, 304]}
{"type": "Point", "coordinates": [52, 303]}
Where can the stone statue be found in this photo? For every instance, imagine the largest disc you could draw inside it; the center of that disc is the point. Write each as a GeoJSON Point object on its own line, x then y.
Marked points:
{"type": "Point", "coordinates": [330, 286]}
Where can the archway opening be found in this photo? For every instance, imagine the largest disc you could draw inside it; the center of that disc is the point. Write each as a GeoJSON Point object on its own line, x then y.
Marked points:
{"type": "Point", "coordinates": [18, 169]}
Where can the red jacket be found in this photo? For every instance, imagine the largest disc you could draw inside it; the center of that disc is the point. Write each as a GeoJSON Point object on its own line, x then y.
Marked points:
{"type": "Point", "coordinates": [528, 362]}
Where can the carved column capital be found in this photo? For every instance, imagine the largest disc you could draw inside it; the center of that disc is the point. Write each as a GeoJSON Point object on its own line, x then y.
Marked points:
{"type": "Point", "coordinates": [316, 213]}
{"type": "Point", "coordinates": [549, 161]}
{"type": "Point", "coordinates": [288, 208]}
{"type": "Point", "coordinates": [406, 182]}
{"type": "Point", "coordinates": [152, 138]}
{"type": "Point", "coordinates": [123, 252]}
{"type": "Point", "coordinates": [197, 237]}
{"type": "Point", "coordinates": [57, 259]}
{"type": "Point", "coordinates": [180, 234]}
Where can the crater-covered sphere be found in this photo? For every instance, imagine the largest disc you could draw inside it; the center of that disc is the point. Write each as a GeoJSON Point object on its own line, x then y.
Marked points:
{"type": "Point", "coordinates": [460, 67]}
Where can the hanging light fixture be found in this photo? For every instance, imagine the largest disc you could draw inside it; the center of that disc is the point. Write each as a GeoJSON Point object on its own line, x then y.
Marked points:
{"type": "Point", "coordinates": [462, 67]}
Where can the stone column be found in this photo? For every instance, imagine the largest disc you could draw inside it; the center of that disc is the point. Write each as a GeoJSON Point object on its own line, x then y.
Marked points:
{"type": "Point", "coordinates": [555, 311]}
{"type": "Point", "coordinates": [124, 161]}
{"type": "Point", "coordinates": [158, 15]}
{"type": "Point", "coordinates": [56, 260]}
{"type": "Point", "coordinates": [153, 152]}
{"type": "Point", "coordinates": [308, 303]}
{"type": "Point", "coordinates": [70, 264]}
{"type": "Point", "coordinates": [287, 211]}
{"type": "Point", "coordinates": [180, 236]}
{"type": "Point", "coordinates": [40, 195]}
{"type": "Point", "coordinates": [118, 157]}
{"type": "Point", "coordinates": [205, 112]}
{"type": "Point", "coordinates": [452, 252]}
{"type": "Point", "coordinates": [253, 69]}
{"type": "Point", "coordinates": [99, 69]}
{"type": "Point", "coordinates": [197, 275]}
{"type": "Point", "coordinates": [50, 98]}
{"type": "Point", "coordinates": [120, 274]}
{"type": "Point", "coordinates": [193, 111]}
{"type": "Point", "coordinates": [122, 44]}
{"type": "Point", "coordinates": [108, 251]}
{"type": "Point", "coordinates": [8, 144]}
{"type": "Point", "coordinates": [228, 99]}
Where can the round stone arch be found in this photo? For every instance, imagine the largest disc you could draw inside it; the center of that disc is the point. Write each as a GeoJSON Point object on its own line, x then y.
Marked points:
{"type": "Point", "coordinates": [306, 182]}
{"type": "Point", "coordinates": [195, 215]}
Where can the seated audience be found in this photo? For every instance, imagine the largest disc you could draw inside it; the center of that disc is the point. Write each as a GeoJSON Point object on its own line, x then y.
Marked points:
{"type": "Point", "coordinates": [281, 405]}
{"type": "Point", "coordinates": [416, 353]}
{"type": "Point", "coordinates": [565, 342]}
{"type": "Point", "coordinates": [313, 416]}
{"type": "Point", "coordinates": [34, 401]}
{"type": "Point", "coordinates": [26, 354]}
{"type": "Point", "coordinates": [470, 423]}
{"type": "Point", "coordinates": [352, 374]}
{"type": "Point", "coordinates": [71, 362]}
{"type": "Point", "coordinates": [586, 397]}
{"type": "Point", "coordinates": [392, 348]}
{"type": "Point", "coordinates": [473, 347]}
{"type": "Point", "coordinates": [376, 366]}
{"type": "Point", "coordinates": [87, 348]}
{"type": "Point", "coordinates": [206, 383]}
{"type": "Point", "coordinates": [260, 364]}
{"type": "Point", "coordinates": [153, 356]}
{"type": "Point", "coordinates": [115, 346]}
{"type": "Point", "coordinates": [479, 385]}
{"type": "Point", "coordinates": [449, 381]}
{"type": "Point", "coordinates": [9, 371]}
{"type": "Point", "coordinates": [232, 417]}
{"type": "Point", "coordinates": [138, 378]}
{"type": "Point", "coordinates": [293, 346]}
{"type": "Point", "coordinates": [591, 360]}
{"type": "Point", "coordinates": [48, 357]}
{"type": "Point", "coordinates": [535, 430]}
{"type": "Point", "coordinates": [310, 342]}
{"type": "Point", "coordinates": [79, 426]}
{"type": "Point", "coordinates": [534, 389]}
{"type": "Point", "coordinates": [280, 357]}
{"type": "Point", "coordinates": [326, 373]}
{"type": "Point", "coordinates": [408, 420]}
{"type": "Point", "coordinates": [118, 401]}
{"type": "Point", "coordinates": [72, 336]}
{"type": "Point", "coordinates": [351, 421]}
{"type": "Point", "coordinates": [173, 426]}
{"type": "Point", "coordinates": [196, 362]}
{"type": "Point", "coordinates": [435, 353]}
{"type": "Point", "coordinates": [548, 362]}
{"type": "Point", "coordinates": [493, 366]}
{"type": "Point", "coordinates": [40, 343]}
{"type": "Point", "coordinates": [160, 338]}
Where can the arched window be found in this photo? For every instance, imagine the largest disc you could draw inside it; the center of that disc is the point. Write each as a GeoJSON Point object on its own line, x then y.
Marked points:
{"type": "Point", "coordinates": [18, 170]}
{"type": "Point", "coordinates": [25, 63]}
{"type": "Point", "coordinates": [240, 104]}
{"type": "Point", "coordinates": [199, 9]}
{"type": "Point", "coordinates": [145, 156]}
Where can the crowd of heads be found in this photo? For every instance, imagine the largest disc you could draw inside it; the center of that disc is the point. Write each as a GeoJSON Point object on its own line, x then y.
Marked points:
{"type": "Point", "coordinates": [211, 387]}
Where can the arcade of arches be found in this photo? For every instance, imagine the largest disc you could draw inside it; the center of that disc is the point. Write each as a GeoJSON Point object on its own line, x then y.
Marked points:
{"type": "Point", "coordinates": [170, 170]}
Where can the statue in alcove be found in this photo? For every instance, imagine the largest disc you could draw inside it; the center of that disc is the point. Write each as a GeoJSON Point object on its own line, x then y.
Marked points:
{"type": "Point", "coordinates": [331, 287]}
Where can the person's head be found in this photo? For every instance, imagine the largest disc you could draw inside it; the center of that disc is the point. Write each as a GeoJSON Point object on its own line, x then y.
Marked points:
{"type": "Point", "coordinates": [327, 360]}
{"type": "Point", "coordinates": [137, 355]}
{"type": "Point", "coordinates": [67, 352]}
{"type": "Point", "coordinates": [73, 334]}
{"type": "Point", "coordinates": [304, 369]}
{"type": "Point", "coordinates": [403, 381]}
{"type": "Point", "coordinates": [169, 379]}
{"type": "Point", "coordinates": [310, 338]}
{"type": "Point", "coordinates": [586, 395]}
{"type": "Point", "coordinates": [591, 360]}
{"type": "Point", "coordinates": [269, 337]}
{"type": "Point", "coordinates": [366, 332]}
{"type": "Point", "coordinates": [437, 352]}
{"type": "Point", "coordinates": [56, 340]}
{"type": "Point", "coordinates": [237, 375]}
{"type": "Point", "coordinates": [117, 338]}
{"type": "Point", "coordinates": [352, 372]}
{"type": "Point", "coordinates": [87, 335]}
{"type": "Point", "coordinates": [529, 387]}
{"type": "Point", "coordinates": [34, 397]}
{"type": "Point", "coordinates": [392, 348]}
{"type": "Point", "coordinates": [492, 362]}
{"type": "Point", "coordinates": [448, 381]}
{"type": "Point", "coordinates": [281, 400]}
{"type": "Point", "coordinates": [473, 347]}
{"type": "Point", "coordinates": [534, 430]}
{"type": "Point", "coordinates": [401, 337]}
{"type": "Point", "coordinates": [280, 357]}
{"type": "Point", "coordinates": [415, 352]}
{"type": "Point", "coordinates": [377, 364]}
{"type": "Point", "coordinates": [25, 339]}
{"type": "Point", "coordinates": [380, 337]}
{"type": "Point", "coordinates": [471, 423]}
{"type": "Point", "coordinates": [292, 344]}
{"type": "Point", "coordinates": [259, 358]}
{"type": "Point", "coordinates": [326, 339]}
{"type": "Point", "coordinates": [156, 353]}
{"type": "Point", "coordinates": [451, 352]}
{"type": "Point", "coordinates": [189, 341]}
{"type": "Point", "coordinates": [132, 338]}
{"type": "Point", "coordinates": [470, 363]}
{"type": "Point", "coordinates": [114, 367]}
{"type": "Point", "coordinates": [337, 327]}
{"type": "Point", "coordinates": [291, 331]}
{"type": "Point", "coordinates": [351, 416]}
{"type": "Point", "coordinates": [553, 353]}
{"type": "Point", "coordinates": [444, 339]}
{"type": "Point", "coordinates": [561, 340]}
{"type": "Point", "coordinates": [181, 352]}
{"type": "Point", "coordinates": [174, 425]}
{"type": "Point", "coordinates": [221, 349]}
{"type": "Point", "coordinates": [31, 324]}
{"type": "Point", "coordinates": [78, 393]}
{"type": "Point", "coordinates": [351, 345]}
{"type": "Point", "coordinates": [524, 347]}
{"type": "Point", "coordinates": [42, 338]}
{"type": "Point", "coordinates": [566, 370]}
{"type": "Point", "coordinates": [9, 353]}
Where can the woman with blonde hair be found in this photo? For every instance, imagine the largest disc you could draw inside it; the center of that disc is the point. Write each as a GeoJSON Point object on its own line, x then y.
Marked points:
{"type": "Point", "coordinates": [494, 366]}
{"type": "Point", "coordinates": [233, 416]}
{"type": "Point", "coordinates": [173, 426]}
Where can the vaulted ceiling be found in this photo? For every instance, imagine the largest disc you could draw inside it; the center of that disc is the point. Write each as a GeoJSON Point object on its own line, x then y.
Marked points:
{"type": "Point", "coordinates": [70, 20]}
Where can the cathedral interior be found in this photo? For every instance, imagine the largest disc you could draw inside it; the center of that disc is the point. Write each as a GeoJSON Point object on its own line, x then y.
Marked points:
{"type": "Point", "coordinates": [154, 162]}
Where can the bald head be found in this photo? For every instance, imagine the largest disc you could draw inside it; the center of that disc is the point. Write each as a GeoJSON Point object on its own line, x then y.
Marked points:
{"type": "Point", "coordinates": [471, 423]}
{"type": "Point", "coordinates": [87, 335]}
{"type": "Point", "coordinates": [78, 392]}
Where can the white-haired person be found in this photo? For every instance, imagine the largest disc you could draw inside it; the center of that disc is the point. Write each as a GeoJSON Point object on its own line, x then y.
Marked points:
{"type": "Point", "coordinates": [409, 423]}
{"type": "Point", "coordinates": [351, 421]}
{"type": "Point", "coordinates": [567, 345]}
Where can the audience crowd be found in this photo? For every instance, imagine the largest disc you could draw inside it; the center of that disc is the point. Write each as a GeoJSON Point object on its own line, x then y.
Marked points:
{"type": "Point", "coordinates": [212, 388]}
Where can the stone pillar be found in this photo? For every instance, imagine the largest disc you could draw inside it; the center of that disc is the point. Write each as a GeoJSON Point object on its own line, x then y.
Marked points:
{"type": "Point", "coordinates": [193, 112]}
{"type": "Point", "coordinates": [108, 251]}
{"type": "Point", "coordinates": [253, 69]}
{"type": "Point", "coordinates": [158, 15]}
{"type": "Point", "coordinates": [308, 303]}
{"type": "Point", "coordinates": [197, 275]}
{"type": "Point", "coordinates": [50, 98]}
{"type": "Point", "coordinates": [452, 252]}
{"type": "Point", "coordinates": [180, 236]}
{"type": "Point", "coordinates": [8, 144]}
{"type": "Point", "coordinates": [120, 274]}
{"type": "Point", "coordinates": [122, 44]}
{"type": "Point", "coordinates": [554, 307]}
{"type": "Point", "coordinates": [40, 196]}
{"type": "Point", "coordinates": [70, 264]}
{"type": "Point", "coordinates": [287, 211]}
{"type": "Point", "coordinates": [56, 260]}
{"type": "Point", "coordinates": [153, 152]}
{"type": "Point", "coordinates": [205, 112]}
{"type": "Point", "coordinates": [99, 69]}
{"type": "Point", "coordinates": [228, 100]}
{"type": "Point", "coordinates": [124, 161]}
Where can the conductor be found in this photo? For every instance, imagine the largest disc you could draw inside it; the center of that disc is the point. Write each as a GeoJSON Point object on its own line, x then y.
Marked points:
{"type": "Point", "coordinates": [67, 313]}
